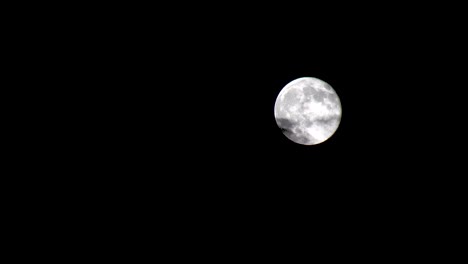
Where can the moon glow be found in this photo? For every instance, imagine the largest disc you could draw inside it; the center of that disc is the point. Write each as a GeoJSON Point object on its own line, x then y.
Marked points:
{"type": "Point", "coordinates": [308, 111]}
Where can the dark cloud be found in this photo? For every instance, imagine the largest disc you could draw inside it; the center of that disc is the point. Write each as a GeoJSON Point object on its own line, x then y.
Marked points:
{"type": "Point", "coordinates": [326, 121]}
{"type": "Point", "coordinates": [300, 138]}
{"type": "Point", "coordinates": [292, 131]}
{"type": "Point", "coordinates": [286, 125]}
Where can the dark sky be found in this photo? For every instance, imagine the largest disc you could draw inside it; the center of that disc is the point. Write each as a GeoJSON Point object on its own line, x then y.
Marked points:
{"type": "Point", "coordinates": [203, 103]}
{"type": "Point", "coordinates": [153, 127]}
{"type": "Point", "coordinates": [182, 118]}
{"type": "Point", "coordinates": [200, 97]}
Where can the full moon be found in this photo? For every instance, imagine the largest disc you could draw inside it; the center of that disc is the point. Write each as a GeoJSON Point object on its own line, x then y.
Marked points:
{"type": "Point", "coordinates": [308, 111]}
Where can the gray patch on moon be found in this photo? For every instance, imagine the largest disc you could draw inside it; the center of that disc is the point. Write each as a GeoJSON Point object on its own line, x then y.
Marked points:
{"type": "Point", "coordinates": [309, 91]}
{"type": "Point", "coordinates": [299, 136]}
{"type": "Point", "coordinates": [320, 95]}
{"type": "Point", "coordinates": [303, 106]}
{"type": "Point", "coordinates": [333, 98]}
{"type": "Point", "coordinates": [290, 98]}
{"type": "Point", "coordinates": [308, 123]}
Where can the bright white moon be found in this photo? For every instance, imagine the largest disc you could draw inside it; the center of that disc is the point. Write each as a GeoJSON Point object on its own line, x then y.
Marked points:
{"type": "Point", "coordinates": [308, 111]}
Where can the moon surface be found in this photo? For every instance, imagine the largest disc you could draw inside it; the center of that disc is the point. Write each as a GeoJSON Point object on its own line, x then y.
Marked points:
{"type": "Point", "coordinates": [308, 111]}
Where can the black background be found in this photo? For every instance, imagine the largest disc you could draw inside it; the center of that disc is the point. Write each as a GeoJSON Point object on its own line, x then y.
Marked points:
{"type": "Point", "coordinates": [201, 92]}
{"type": "Point", "coordinates": [169, 118]}
{"type": "Point", "coordinates": [192, 121]}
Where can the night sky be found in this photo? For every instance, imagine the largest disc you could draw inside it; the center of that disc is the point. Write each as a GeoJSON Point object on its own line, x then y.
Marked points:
{"type": "Point", "coordinates": [179, 118]}
{"type": "Point", "coordinates": [199, 99]}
